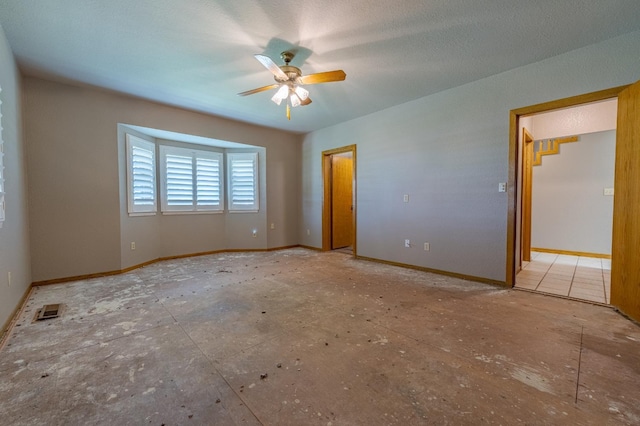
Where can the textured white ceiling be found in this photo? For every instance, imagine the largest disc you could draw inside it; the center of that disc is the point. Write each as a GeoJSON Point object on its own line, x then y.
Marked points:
{"type": "Point", "coordinates": [198, 54]}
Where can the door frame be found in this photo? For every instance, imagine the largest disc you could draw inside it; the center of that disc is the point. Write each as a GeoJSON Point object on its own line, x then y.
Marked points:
{"type": "Point", "coordinates": [326, 198]}
{"type": "Point", "coordinates": [525, 200]}
{"type": "Point", "coordinates": [515, 186]}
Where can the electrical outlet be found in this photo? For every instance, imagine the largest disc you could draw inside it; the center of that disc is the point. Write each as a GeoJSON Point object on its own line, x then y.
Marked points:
{"type": "Point", "coordinates": [502, 187]}
{"type": "Point", "coordinates": [607, 191]}
{"type": "Point", "coordinates": [308, 232]}
{"type": "Point", "coordinates": [273, 226]}
{"type": "Point", "coordinates": [133, 245]}
{"type": "Point", "coordinates": [407, 243]}
{"type": "Point", "coordinates": [427, 246]}
{"type": "Point", "coordinates": [406, 198]}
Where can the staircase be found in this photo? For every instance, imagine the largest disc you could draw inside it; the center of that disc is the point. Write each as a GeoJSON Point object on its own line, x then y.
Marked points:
{"type": "Point", "coordinates": [549, 147]}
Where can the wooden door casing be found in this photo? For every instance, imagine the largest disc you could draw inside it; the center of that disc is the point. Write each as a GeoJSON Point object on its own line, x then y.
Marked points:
{"type": "Point", "coordinates": [625, 266]}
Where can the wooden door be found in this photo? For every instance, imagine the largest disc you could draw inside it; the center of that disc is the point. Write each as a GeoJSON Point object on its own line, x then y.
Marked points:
{"type": "Point", "coordinates": [625, 253]}
{"type": "Point", "coordinates": [527, 183]}
{"type": "Point", "coordinates": [341, 201]}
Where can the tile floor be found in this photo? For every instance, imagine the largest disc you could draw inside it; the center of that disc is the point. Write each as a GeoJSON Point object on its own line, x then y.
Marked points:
{"type": "Point", "coordinates": [579, 277]}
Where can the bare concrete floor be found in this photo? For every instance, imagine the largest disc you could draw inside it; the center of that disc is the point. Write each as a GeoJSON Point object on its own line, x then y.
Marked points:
{"type": "Point", "coordinates": [297, 337]}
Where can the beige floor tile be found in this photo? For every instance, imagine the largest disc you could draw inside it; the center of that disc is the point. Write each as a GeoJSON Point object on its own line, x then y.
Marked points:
{"type": "Point", "coordinates": [594, 291]}
{"type": "Point", "coordinates": [537, 267]}
{"type": "Point", "coordinates": [551, 282]}
{"type": "Point", "coordinates": [587, 282]}
{"type": "Point", "coordinates": [553, 290]}
{"type": "Point", "coordinates": [531, 273]}
{"type": "Point", "coordinates": [559, 275]}
{"type": "Point", "coordinates": [591, 297]}
{"type": "Point", "coordinates": [563, 267]}
{"type": "Point", "coordinates": [590, 262]}
{"type": "Point", "coordinates": [555, 284]}
{"type": "Point", "coordinates": [528, 285]}
{"type": "Point", "coordinates": [535, 280]}
{"type": "Point", "coordinates": [588, 272]}
{"type": "Point", "coordinates": [556, 281]}
{"type": "Point", "coordinates": [566, 260]}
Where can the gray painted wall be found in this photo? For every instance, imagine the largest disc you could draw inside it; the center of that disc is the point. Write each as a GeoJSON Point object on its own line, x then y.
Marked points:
{"type": "Point", "coordinates": [569, 210]}
{"type": "Point", "coordinates": [449, 151]}
{"type": "Point", "coordinates": [79, 221]}
{"type": "Point", "coordinates": [14, 234]}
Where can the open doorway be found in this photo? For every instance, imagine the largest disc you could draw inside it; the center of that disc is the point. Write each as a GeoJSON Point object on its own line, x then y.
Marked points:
{"type": "Point", "coordinates": [568, 160]}
{"type": "Point", "coordinates": [338, 216]}
{"type": "Point", "coordinates": [625, 270]}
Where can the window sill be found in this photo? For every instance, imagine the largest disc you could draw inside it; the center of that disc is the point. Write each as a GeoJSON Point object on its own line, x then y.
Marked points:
{"type": "Point", "coordinates": [134, 214]}
{"type": "Point", "coordinates": [191, 213]}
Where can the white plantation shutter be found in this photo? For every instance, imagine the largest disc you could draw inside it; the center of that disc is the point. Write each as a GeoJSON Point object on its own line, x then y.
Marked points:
{"type": "Point", "coordinates": [191, 180]}
{"type": "Point", "coordinates": [179, 180]}
{"type": "Point", "coordinates": [208, 186]}
{"type": "Point", "coordinates": [243, 181]}
{"type": "Point", "coordinates": [141, 176]}
{"type": "Point", "coordinates": [1, 169]}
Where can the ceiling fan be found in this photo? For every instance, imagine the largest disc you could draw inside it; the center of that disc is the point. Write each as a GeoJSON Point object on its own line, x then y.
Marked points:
{"type": "Point", "coordinates": [289, 81]}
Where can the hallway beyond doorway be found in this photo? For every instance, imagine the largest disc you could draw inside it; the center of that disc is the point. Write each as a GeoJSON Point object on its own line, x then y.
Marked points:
{"type": "Point", "coordinates": [578, 277]}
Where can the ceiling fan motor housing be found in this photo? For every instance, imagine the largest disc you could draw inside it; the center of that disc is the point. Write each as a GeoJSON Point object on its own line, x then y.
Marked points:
{"type": "Point", "coordinates": [292, 73]}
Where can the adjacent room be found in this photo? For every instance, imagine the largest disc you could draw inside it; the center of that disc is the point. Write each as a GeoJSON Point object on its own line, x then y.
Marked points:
{"type": "Point", "coordinates": [239, 212]}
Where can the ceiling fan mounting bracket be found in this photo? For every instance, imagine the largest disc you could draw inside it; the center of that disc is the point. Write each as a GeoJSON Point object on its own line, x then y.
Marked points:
{"type": "Point", "coordinates": [287, 56]}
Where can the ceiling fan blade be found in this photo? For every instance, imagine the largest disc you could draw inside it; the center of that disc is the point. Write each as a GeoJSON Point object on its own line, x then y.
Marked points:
{"type": "Point", "coordinates": [323, 77]}
{"type": "Point", "coordinates": [258, 90]}
{"type": "Point", "coordinates": [305, 102]}
{"type": "Point", "coordinates": [271, 66]}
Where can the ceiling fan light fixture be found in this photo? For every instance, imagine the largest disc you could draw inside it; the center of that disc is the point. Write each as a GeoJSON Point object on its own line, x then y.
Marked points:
{"type": "Point", "coordinates": [302, 93]}
{"type": "Point", "coordinates": [281, 94]}
{"type": "Point", "coordinates": [295, 100]}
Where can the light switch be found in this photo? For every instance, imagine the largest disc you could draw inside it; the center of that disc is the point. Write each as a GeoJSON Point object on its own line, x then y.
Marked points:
{"type": "Point", "coordinates": [406, 198]}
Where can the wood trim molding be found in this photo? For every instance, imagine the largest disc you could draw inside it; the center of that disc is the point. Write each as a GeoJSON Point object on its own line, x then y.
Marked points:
{"type": "Point", "coordinates": [150, 262]}
{"type": "Point", "coordinates": [553, 149]}
{"type": "Point", "coordinates": [600, 95]}
{"type": "Point", "coordinates": [625, 268]}
{"type": "Point", "coordinates": [525, 199]}
{"type": "Point", "coordinates": [572, 253]}
{"type": "Point", "coordinates": [512, 208]}
{"type": "Point", "coordinates": [10, 323]}
{"type": "Point", "coordinates": [435, 271]}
